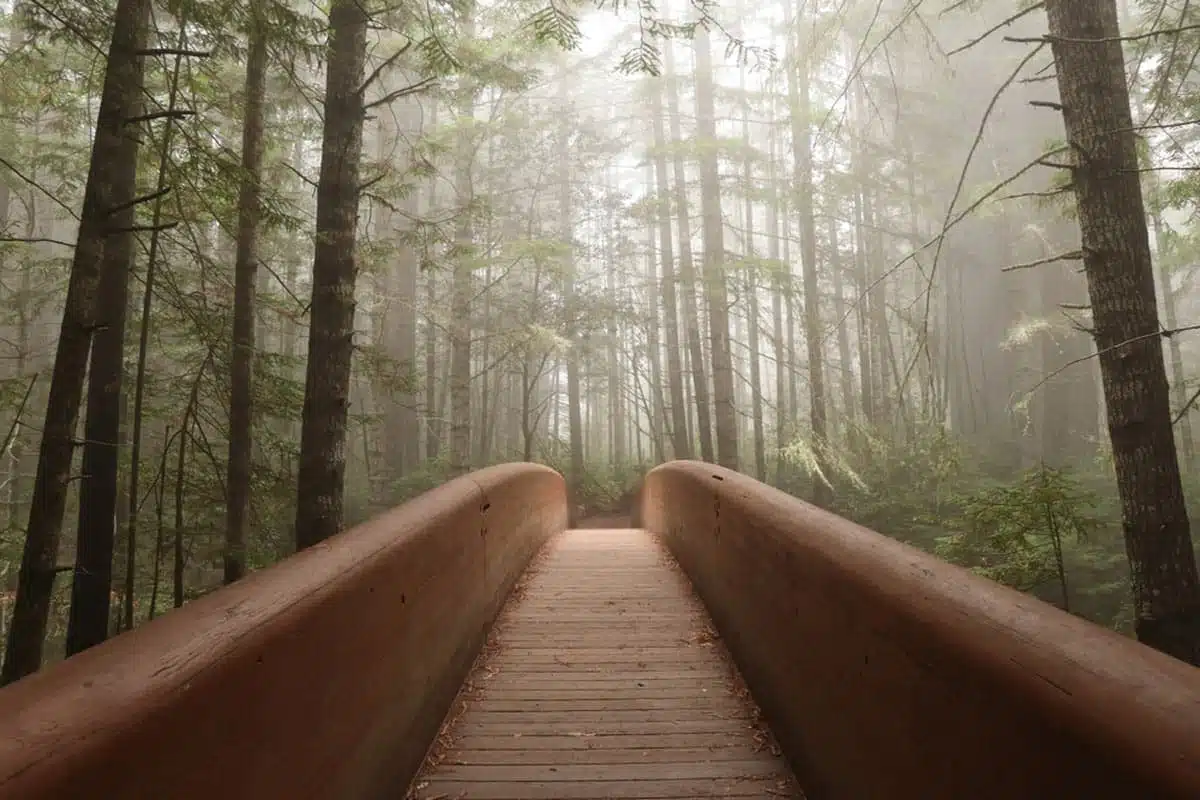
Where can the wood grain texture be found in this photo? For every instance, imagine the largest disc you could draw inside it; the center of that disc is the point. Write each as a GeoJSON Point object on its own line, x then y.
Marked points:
{"type": "Point", "coordinates": [603, 679]}
{"type": "Point", "coordinates": [297, 681]}
{"type": "Point", "coordinates": [885, 672]}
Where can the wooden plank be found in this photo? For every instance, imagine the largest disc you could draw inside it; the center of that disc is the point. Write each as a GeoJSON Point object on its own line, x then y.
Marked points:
{"type": "Point", "coordinates": [668, 697]}
{"type": "Point", "coordinates": [645, 723]}
{"type": "Point", "coordinates": [675, 679]}
{"type": "Point", "coordinates": [475, 741]}
{"type": "Point", "coordinates": [579, 773]}
{"type": "Point", "coordinates": [491, 704]}
{"type": "Point", "coordinates": [608, 715]}
{"type": "Point", "coordinates": [610, 755]}
{"type": "Point", "coordinates": [603, 679]}
{"type": "Point", "coordinates": [605, 790]}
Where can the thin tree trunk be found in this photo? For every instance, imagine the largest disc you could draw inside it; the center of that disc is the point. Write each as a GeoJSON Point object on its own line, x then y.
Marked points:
{"type": "Point", "coordinates": [845, 372]}
{"type": "Point", "coordinates": [462, 284]}
{"type": "Point", "coordinates": [241, 445]}
{"type": "Point", "coordinates": [680, 442]}
{"type": "Point", "coordinates": [566, 232]}
{"type": "Point", "coordinates": [135, 456]}
{"type": "Point", "coordinates": [159, 516]}
{"type": "Point", "coordinates": [687, 274]}
{"type": "Point", "coordinates": [658, 414]}
{"type": "Point", "coordinates": [798, 93]}
{"type": "Point", "coordinates": [433, 428]}
{"type": "Point", "coordinates": [724, 410]}
{"type": "Point", "coordinates": [177, 560]}
{"type": "Point", "coordinates": [779, 287]}
{"type": "Point", "coordinates": [756, 399]}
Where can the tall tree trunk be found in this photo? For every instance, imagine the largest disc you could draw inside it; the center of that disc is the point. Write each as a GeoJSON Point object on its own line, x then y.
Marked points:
{"type": "Point", "coordinates": [395, 330]}
{"type": "Point", "coordinates": [724, 409]}
{"type": "Point", "coordinates": [19, 36]}
{"type": "Point", "coordinates": [91, 589]}
{"type": "Point", "coordinates": [680, 442]}
{"type": "Point", "coordinates": [404, 325]}
{"type": "Point", "coordinates": [615, 391]}
{"type": "Point", "coordinates": [798, 95]}
{"type": "Point", "coordinates": [1085, 38]}
{"type": "Point", "coordinates": [433, 427]}
{"type": "Point", "coordinates": [845, 371]}
{"type": "Point", "coordinates": [23, 652]}
{"type": "Point", "coordinates": [756, 398]}
{"type": "Point", "coordinates": [462, 284]}
{"type": "Point", "coordinates": [778, 287]}
{"type": "Point", "coordinates": [322, 473]}
{"type": "Point", "coordinates": [687, 274]}
{"type": "Point", "coordinates": [877, 309]}
{"type": "Point", "coordinates": [862, 285]}
{"type": "Point", "coordinates": [658, 414]}
{"type": "Point", "coordinates": [131, 500]}
{"type": "Point", "coordinates": [241, 377]}
{"type": "Point", "coordinates": [570, 306]}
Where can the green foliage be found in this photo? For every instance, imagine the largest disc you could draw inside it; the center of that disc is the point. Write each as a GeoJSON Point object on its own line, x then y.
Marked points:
{"type": "Point", "coordinates": [826, 464]}
{"type": "Point", "coordinates": [1016, 533]}
{"type": "Point", "coordinates": [903, 488]}
{"type": "Point", "coordinates": [1050, 532]}
{"type": "Point", "coordinates": [557, 25]}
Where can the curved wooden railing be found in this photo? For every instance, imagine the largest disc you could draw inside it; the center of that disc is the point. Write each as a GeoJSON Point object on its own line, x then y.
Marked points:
{"type": "Point", "coordinates": [886, 673]}
{"type": "Point", "coordinates": [325, 676]}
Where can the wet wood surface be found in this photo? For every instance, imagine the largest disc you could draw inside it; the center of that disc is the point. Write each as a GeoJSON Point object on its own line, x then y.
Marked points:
{"type": "Point", "coordinates": [603, 679]}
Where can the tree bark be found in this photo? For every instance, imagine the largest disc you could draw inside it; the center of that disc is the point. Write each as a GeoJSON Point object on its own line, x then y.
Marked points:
{"type": "Point", "coordinates": [570, 308]}
{"type": "Point", "coordinates": [241, 378]}
{"type": "Point", "coordinates": [716, 292]}
{"type": "Point", "coordinates": [798, 95]}
{"type": "Point", "coordinates": [462, 285]}
{"type": "Point", "coordinates": [687, 273]}
{"type": "Point", "coordinates": [1084, 36]}
{"type": "Point", "coordinates": [756, 394]}
{"type": "Point", "coordinates": [658, 412]}
{"type": "Point", "coordinates": [322, 473]}
{"type": "Point", "coordinates": [433, 427]}
{"type": "Point", "coordinates": [23, 652]}
{"type": "Point", "coordinates": [680, 442]}
{"type": "Point", "coordinates": [91, 587]}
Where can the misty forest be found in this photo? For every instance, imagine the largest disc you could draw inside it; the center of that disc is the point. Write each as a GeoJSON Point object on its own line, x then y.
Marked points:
{"type": "Point", "coordinates": [271, 267]}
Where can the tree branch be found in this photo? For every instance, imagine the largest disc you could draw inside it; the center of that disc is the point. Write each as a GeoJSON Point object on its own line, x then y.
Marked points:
{"type": "Point", "coordinates": [1166, 334]}
{"type": "Point", "coordinates": [1133, 37]}
{"type": "Point", "coordinates": [1074, 255]}
{"type": "Point", "coordinates": [996, 27]}
{"type": "Point", "coordinates": [375, 73]}
{"type": "Point", "coordinates": [419, 86]}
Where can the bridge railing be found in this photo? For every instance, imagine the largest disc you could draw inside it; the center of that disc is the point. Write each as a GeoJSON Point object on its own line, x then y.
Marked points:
{"type": "Point", "coordinates": [885, 672]}
{"type": "Point", "coordinates": [325, 676]}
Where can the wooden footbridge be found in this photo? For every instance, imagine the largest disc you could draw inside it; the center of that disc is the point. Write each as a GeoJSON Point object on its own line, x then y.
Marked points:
{"type": "Point", "coordinates": [735, 642]}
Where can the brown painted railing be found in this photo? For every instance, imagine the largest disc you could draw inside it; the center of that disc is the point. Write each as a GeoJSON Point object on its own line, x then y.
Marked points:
{"type": "Point", "coordinates": [325, 676]}
{"type": "Point", "coordinates": [886, 673]}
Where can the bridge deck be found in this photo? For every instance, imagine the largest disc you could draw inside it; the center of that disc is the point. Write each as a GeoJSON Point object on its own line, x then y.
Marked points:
{"type": "Point", "coordinates": [603, 679]}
